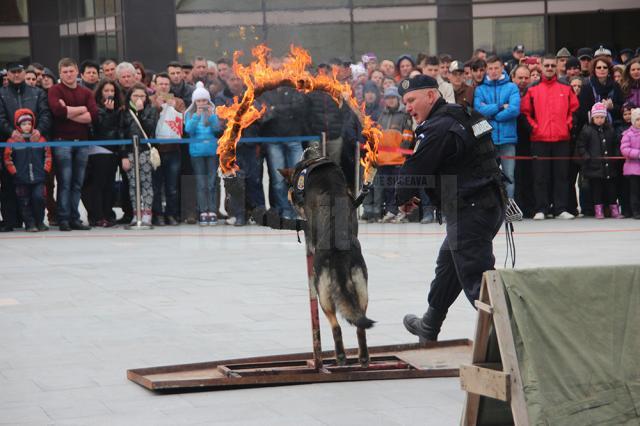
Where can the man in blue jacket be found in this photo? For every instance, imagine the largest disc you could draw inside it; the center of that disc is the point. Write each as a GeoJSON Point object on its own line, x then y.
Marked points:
{"type": "Point", "coordinates": [498, 99]}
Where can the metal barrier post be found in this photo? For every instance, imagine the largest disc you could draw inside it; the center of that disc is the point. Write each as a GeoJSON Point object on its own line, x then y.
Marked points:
{"type": "Point", "coordinates": [136, 169]}
{"type": "Point", "coordinates": [324, 144]}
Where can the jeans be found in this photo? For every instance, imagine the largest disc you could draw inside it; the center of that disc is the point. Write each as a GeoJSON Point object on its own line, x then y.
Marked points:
{"type": "Point", "coordinates": [282, 156]}
{"type": "Point", "coordinates": [508, 165]}
{"type": "Point", "coordinates": [247, 157]}
{"type": "Point", "coordinates": [205, 169]}
{"type": "Point", "coordinates": [31, 198]}
{"type": "Point", "coordinates": [388, 177]}
{"type": "Point", "coordinates": [71, 164]}
{"type": "Point", "coordinates": [166, 177]}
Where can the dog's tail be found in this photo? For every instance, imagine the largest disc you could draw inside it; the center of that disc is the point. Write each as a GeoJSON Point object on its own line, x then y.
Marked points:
{"type": "Point", "coordinates": [352, 296]}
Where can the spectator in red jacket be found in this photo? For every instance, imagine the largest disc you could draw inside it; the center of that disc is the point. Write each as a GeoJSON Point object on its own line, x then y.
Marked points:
{"type": "Point", "coordinates": [74, 109]}
{"type": "Point", "coordinates": [549, 106]}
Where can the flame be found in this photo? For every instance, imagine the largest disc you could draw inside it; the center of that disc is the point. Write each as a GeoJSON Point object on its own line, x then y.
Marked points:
{"type": "Point", "coordinates": [259, 77]}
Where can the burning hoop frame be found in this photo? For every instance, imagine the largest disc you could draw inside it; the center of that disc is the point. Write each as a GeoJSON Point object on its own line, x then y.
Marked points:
{"type": "Point", "coordinates": [259, 77]}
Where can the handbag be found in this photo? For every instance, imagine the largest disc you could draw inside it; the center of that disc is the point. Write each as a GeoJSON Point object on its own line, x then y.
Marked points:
{"type": "Point", "coordinates": [154, 155]}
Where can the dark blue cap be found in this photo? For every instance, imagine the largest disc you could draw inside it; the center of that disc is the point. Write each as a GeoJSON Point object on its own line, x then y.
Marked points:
{"type": "Point", "coordinates": [416, 83]}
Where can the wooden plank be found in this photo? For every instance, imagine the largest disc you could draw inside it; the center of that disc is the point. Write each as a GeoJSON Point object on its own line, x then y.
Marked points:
{"type": "Point", "coordinates": [294, 368]}
{"type": "Point", "coordinates": [507, 347]}
{"type": "Point", "coordinates": [479, 354]}
{"type": "Point", "coordinates": [485, 381]}
{"type": "Point", "coordinates": [484, 307]}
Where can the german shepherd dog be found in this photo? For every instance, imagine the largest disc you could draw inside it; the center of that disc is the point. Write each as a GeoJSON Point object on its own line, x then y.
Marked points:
{"type": "Point", "coordinates": [319, 193]}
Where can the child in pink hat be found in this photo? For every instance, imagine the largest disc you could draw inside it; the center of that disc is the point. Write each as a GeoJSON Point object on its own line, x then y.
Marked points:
{"type": "Point", "coordinates": [596, 144]}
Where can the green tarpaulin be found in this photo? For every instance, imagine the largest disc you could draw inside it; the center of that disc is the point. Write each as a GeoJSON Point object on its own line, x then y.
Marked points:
{"type": "Point", "coordinates": [577, 335]}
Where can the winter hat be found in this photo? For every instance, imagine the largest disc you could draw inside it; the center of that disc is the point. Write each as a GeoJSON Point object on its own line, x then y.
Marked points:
{"type": "Point", "coordinates": [403, 57]}
{"type": "Point", "coordinates": [598, 110]}
{"type": "Point", "coordinates": [602, 51]}
{"type": "Point", "coordinates": [200, 93]}
{"type": "Point", "coordinates": [563, 53]}
{"type": "Point", "coordinates": [370, 86]}
{"type": "Point", "coordinates": [573, 62]}
{"type": "Point", "coordinates": [22, 115]}
{"type": "Point", "coordinates": [392, 92]}
{"type": "Point", "coordinates": [635, 115]}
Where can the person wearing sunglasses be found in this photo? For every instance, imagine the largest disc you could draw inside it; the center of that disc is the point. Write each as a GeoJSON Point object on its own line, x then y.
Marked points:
{"type": "Point", "coordinates": [549, 106]}
{"type": "Point", "coordinates": [600, 87]}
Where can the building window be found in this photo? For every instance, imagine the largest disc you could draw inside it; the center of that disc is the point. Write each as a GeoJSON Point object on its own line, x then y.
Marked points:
{"type": "Point", "coordinates": [216, 42]}
{"type": "Point", "coordinates": [499, 35]}
{"type": "Point", "coordinates": [322, 41]}
{"type": "Point", "coordinates": [14, 12]}
{"type": "Point", "coordinates": [388, 40]}
{"type": "Point", "coordinates": [304, 4]}
{"type": "Point", "coordinates": [14, 49]}
{"type": "Point", "coordinates": [218, 5]}
{"type": "Point", "coordinates": [365, 3]}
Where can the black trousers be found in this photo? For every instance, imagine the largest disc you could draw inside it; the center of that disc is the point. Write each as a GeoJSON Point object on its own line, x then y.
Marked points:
{"type": "Point", "coordinates": [552, 174]}
{"type": "Point", "coordinates": [31, 199]}
{"type": "Point", "coordinates": [97, 192]}
{"type": "Point", "coordinates": [634, 194]}
{"type": "Point", "coordinates": [465, 254]}
{"type": "Point", "coordinates": [603, 191]}
{"type": "Point", "coordinates": [8, 200]}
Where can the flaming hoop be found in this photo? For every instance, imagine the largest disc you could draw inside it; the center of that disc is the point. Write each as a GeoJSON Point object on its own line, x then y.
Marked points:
{"type": "Point", "coordinates": [259, 77]}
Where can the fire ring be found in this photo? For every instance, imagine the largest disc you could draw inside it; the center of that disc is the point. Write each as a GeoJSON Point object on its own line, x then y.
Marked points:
{"type": "Point", "coordinates": [259, 77]}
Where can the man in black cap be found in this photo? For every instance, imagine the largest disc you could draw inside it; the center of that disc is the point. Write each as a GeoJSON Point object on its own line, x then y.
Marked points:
{"type": "Point", "coordinates": [18, 95]}
{"type": "Point", "coordinates": [454, 160]}
{"type": "Point", "coordinates": [518, 54]}
{"type": "Point", "coordinates": [585, 55]}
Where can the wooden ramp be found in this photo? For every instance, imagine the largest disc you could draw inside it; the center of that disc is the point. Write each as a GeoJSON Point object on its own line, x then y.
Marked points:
{"type": "Point", "coordinates": [437, 359]}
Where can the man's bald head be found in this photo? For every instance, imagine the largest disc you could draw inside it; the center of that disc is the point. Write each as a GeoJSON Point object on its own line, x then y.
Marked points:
{"type": "Point", "coordinates": [419, 102]}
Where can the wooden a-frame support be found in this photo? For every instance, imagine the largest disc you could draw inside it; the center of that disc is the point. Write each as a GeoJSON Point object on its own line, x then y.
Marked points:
{"type": "Point", "coordinates": [500, 381]}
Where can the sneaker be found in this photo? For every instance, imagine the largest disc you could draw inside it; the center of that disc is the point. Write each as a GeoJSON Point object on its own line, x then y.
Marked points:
{"type": "Point", "coordinates": [171, 221]}
{"type": "Point", "coordinates": [566, 216]}
{"type": "Point", "coordinates": [230, 220]}
{"type": "Point", "coordinates": [79, 226]}
{"type": "Point", "coordinates": [42, 227]}
{"type": "Point", "coordinates": [64, 226]}
{"type": "Point", "coordinates": [213, 219]}
{"type": "Point", "coordinates": [388, 217]}
{"type": "Point", "coordinates": [31, 228]}
{"type": "Point", "coordinates": [158, 220]}
{"type": "Point", "coordinates": [203, 219]}
{"type": "Point", "coordinates": [401, 218]}
{"type": "Point", "coordinates": [539, 216]}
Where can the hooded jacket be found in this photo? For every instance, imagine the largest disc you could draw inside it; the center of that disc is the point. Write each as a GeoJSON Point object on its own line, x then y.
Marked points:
{"type": "Point", "coordinates": [489, 100]}
{"type": "Point", "coordinates": [593, 91]}
{"type": "Point", "coordinates": [397, 133]}
{"type": "Point", "coordinates": [373, 109]}
{"type": "Point", "coordinates": [27, 165]}
{"type": "Point", "coordinates": [549, 106]}
{"type": "Point", "coordinates": [630, 148]}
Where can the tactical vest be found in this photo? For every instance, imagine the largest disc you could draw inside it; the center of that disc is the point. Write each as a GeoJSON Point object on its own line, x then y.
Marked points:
{"type": "Point", "coordinates": [477, 170]}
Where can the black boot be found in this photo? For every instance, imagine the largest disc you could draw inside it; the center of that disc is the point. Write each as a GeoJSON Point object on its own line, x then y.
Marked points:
{"type": "Point", "coordinates": [427, 327]}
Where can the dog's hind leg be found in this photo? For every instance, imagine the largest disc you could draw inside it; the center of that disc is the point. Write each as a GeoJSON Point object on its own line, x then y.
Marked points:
{"type": "Point", "coordinates": [341, 358]}
{"type": "Point", "coordinates": [363, 352]}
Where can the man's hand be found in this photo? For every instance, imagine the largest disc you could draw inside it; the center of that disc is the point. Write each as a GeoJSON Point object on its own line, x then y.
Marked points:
{"type": "Point", "coordinates": [35, 135]}
{"type": "Point", "coordinates": [61, 102]}
{"type": "Point", "coordinates": [410, 205]}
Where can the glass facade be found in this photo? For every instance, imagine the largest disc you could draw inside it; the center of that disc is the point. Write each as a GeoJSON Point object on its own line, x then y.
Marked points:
{"type": "Point", "coordinates": [216, 42]}
{"type": "Point", "coordinates": [323, 41]}
{"type": "Point", "coordinates": [501, 34]}
{"type": "Point", "coordinates": [218, 5]}
{"type": "Point", "coordinates": [13, 12]}
{"type": "Point", "coordinates": [391, 39]}
{"type": "Point", "coordinates": [14, 49]}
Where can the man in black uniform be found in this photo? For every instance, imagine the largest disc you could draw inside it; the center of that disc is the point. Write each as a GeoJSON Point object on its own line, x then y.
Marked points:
{"type": "Point", "coordinates": [454, 160]}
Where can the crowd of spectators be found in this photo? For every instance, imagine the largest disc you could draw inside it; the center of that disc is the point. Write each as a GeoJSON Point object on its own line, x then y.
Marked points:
{"type": "Point", "coordinates": [576, 112]}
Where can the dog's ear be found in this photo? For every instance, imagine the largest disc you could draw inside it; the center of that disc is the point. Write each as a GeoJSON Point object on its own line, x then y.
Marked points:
{"type": "Point", "coordinates": [287, 174]}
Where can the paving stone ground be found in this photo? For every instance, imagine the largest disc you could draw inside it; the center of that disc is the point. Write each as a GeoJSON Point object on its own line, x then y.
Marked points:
{"type": "Point", "coordinates": [78, 309]}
